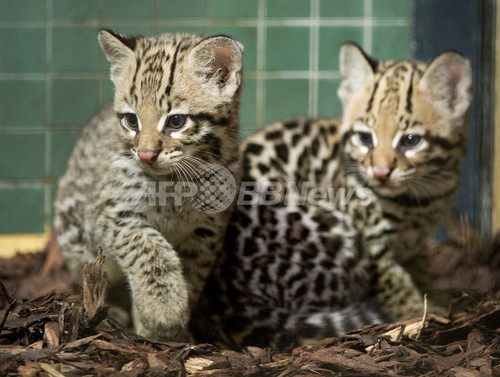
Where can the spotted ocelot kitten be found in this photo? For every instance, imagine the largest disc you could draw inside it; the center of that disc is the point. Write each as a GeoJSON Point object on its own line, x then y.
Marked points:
{"type": "Point", "coordinates": [175, 112]}
{"type": "Point", "coordinates": [375, 184]}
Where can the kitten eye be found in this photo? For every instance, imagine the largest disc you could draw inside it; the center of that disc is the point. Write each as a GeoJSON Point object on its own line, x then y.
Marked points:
{"type": "Point", "coordinates": [176, 121]}
{"type": "Point", "coordinates": [410, 141]}
{"type": "Point", "coordinates": [365, 138]}
{"type": "Point", "coordinates": [130, 120]}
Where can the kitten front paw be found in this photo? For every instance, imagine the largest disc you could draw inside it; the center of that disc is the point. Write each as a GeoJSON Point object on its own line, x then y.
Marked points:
{"type": "Point", "coordinates": [163, 322]}
{"type": "Point", "coordinates": [161, 333]}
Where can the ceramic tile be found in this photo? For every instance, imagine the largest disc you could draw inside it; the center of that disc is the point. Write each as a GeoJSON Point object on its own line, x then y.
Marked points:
{"type": "Point", "coordinates": [22, 103]}
{"type": "Point", "coordinates": [22, 155]}
{"type": "Point", "coordinates": [75, 49]}
{"type": "Point", "coordinates": [23, 10]}
{"type": "Point", "coordinates": [341, 8]}
{"type": "Point", "coordinates": [74, 10]}
{"type": "Point", "coordinates": [22, 210]}
{"type": "Point", "coordinates": [286, 99]}
{"type": "Point", "coordinates": [23, 50]}
{"type": "Point", "coordinates": [287, 48]}
{"type": "Point", "coordinates": [74, 102]}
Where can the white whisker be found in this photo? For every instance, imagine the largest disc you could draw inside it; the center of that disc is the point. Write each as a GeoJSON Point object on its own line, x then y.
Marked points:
{"type": "Point", "coordinates": [219, 157]}
{"type": "Point", "coordinates": [202, 164]}
{"type": "Point", "coordinates": [188, 166]}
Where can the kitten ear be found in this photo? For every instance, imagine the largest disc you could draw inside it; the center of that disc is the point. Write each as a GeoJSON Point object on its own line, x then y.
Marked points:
{"type": "Point", "coordinates": [448, 83]}
{"type": "Point", "coordinates": [216, 64]}
{"type": "Point", "coordinates": [119, 49]}
{"type": "Point", "coordinates": [356, 68]}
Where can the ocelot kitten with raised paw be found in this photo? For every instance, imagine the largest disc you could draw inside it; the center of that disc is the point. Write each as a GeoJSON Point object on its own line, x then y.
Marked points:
{"type": "Point", "coordinates": [376, 184]}
{"type": "Point", "coordinates": [174, 116]}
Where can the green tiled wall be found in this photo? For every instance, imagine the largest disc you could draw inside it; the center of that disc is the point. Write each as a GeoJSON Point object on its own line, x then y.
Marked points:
{"type": "Point", "coordinates": [53, 76]}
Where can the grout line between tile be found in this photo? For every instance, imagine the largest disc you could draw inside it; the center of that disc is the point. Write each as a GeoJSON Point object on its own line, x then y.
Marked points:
{"type": "Point", "coordinates": [208, 10]}
{"type": "Point", "coordinates": [77, 75]}
{"type": "Point", "coordinates": [25, 183]}
{"type": "Point", "coordinates": [313, 59]}
{"type": "Point", "coordinates": [310, 94]}
{"type": "Point", "coordinates": [40, 129]}
{"type": "Point", "coordinates": [260, 107]}
{"type": "Point", "coordinates": [48, 118]}
{"type": "Point", "coordinates": [34, 129]}
{"type": "Point", "coordinates": [22, 76]}
{"type": "Point", "coordinates": [235, 22]}
{"type": "Point", "coordinates": [156, 12]}
{"type": "Point", "coordinates": [104, 75]}
{"type": "Point", "coordinates": [299, 75]}
{"type": "Point", "coordinates": [367, 26]}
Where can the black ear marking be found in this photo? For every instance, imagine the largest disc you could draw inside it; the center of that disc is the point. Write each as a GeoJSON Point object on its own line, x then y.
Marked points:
{"type": "Point", "coordinates": [127, 40]}
{"type": "Point", "coordinates": [118, 50]}
{"type": "Point", "coordinates": [370, 59]}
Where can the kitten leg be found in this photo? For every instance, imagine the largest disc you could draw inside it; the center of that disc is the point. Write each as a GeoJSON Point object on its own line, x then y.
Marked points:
{"type": "Point", "coordinates": [199, 252]}
{"type": "Point", "coordinates": [155, 274]}
{"type": "Point", "coordinates": [395, 291]}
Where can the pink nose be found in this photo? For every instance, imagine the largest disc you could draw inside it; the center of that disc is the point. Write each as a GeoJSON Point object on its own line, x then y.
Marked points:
{"type": "Point", "coordinates": [148, 156]}
{"type": "Point", "coordinates": [381, 174]}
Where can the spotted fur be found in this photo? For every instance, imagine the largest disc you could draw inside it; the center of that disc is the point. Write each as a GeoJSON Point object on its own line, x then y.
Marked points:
{"type": "Point", "coordinates": [175, 111]}
{"type": "Point", "coordinates": [294, 271]}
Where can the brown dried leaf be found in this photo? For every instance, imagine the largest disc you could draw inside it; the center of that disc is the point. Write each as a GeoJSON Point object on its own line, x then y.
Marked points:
{"type": "Point", "coordinates": [118, 348]}
{"type": "Point", "coordinates": [28, 371]}
{"type": "Point", "coordinates": [446, 363]}
{"type": "Point", "coordinates": [337, 361]}
{"type": "Point", "coordinates": [95, 288]}
{"type": "Point", "coordinates": [53, 258]}
{"type": "Point", "coordinates": [5, 299]}
{"type": "Point", "coordinates": [154, 361]}
{"type": "Point", "coordinates": [51, 334]}
{"type": "Point", "coordinates": [462, 372]}
{"type": "Point", "coordinates": [79, 342]}
{"type": "Point", "coordinates": [37, 345]}
{"type": "Point", "coordinates": [50, 370]}
{"type": "Point", "coordinates": [133, 368]}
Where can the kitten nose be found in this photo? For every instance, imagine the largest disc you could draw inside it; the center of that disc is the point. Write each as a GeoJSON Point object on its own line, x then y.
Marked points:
{"type": "Point", "coordinates": [148, 156]}
{"type": "Point", "coordinates": [381, 174]}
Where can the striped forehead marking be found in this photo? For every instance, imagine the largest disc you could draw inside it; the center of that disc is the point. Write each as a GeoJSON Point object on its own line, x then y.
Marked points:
{"type": "Point", "coordinates": [392, 80]}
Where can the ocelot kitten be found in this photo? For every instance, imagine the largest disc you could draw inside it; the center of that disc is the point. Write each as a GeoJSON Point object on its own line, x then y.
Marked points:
{"type": "Point", "coordinates": [175, 115]}
{"type": "Point", "coordinates": [295, 270]}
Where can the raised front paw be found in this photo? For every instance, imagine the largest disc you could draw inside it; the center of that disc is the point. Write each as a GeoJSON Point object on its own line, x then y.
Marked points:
{"type": "Point", "coordinates": [161, 320]}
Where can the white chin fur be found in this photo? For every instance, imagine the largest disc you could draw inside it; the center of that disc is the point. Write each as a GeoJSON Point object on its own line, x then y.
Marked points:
{"type": "Point", "coordinates": [389, 190]}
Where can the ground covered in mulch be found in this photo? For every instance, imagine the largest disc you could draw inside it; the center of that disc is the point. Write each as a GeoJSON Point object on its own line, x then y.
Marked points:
{"type": "Point", "coordinates": [50, 326]}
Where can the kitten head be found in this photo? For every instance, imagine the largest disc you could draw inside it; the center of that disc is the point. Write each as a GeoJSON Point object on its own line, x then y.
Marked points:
{"type": "Point", "coordinates": [176, 96]}
{"type": "Point", "coordinates": [404, 122]}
